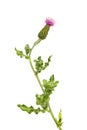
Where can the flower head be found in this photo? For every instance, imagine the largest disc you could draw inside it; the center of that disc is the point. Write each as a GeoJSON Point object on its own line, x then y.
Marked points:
{"type": "Point", "coordinates": [50, 21]}
{"type": "Point", "coordinates": [44, 31]}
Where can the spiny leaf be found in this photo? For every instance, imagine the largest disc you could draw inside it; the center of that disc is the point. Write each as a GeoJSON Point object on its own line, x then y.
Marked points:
{"type": "Point", "coordinates": [50, 84]}
{"type": "Point", "coordinates": [60, 118]}
{"type": "Point", "coordinates": [19, 53]}
{"type": "Point", "coordinates": [27, 49]}
{"type": "Point", "coordinates": [42, 100]}
{"type": "Point", "coordinates": [52, 78]}
{"type": "Point", "coordinates": [30, 109]}
{"type": "Point", "coordinates": [40, 64]}
{"type": "Point", "coordinates": [47, 63]}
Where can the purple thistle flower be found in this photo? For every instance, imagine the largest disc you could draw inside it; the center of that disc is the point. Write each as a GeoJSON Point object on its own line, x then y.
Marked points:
{"type": "Point", "coordinates": [50, 21]}
{"type": "Point", "coordinates": [44, 31]}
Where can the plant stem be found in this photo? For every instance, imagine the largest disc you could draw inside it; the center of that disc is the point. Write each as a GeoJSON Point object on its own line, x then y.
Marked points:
{"type": "Point", "coordinates": [50, 110]}
{"type": "Point", "coordinates": [38, 79]}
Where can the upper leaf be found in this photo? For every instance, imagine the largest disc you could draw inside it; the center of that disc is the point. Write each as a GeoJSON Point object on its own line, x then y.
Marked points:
{"type": "Point", "coordinates": [19, 53]}
{"type": "Point", "coordinates": [27, 49]}
{"type": "Point", "coordinates": [40, 64]}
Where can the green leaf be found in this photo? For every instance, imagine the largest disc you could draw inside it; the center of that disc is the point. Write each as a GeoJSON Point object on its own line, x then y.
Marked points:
{"type": "Point", "coordinates": [60, 119]}
{"type": "Point", "coordinates": [50, 84]}
{"type": "Point", "coordinates": [40, 64]}
{"type": "Point", "coordinates": [19, 53]}
{"type": "Point", "coordinates": [52, 78]}
{"type": "Point", "coordinates": [26, 57]}
{"type": "Point", "coordinates": [42, 100]}
{"type": "Point", "coordinates": [45, 82]}
{"type": "Point", "coordinates": [27, 49]}
{"type": "Point", "coordinates": [30, 109]}
{"type": "Point", "coordinates": [47, 63]}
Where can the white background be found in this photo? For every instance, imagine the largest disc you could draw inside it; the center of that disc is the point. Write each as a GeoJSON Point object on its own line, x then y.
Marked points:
{"type": "Point", "coordinates": [20, 22]}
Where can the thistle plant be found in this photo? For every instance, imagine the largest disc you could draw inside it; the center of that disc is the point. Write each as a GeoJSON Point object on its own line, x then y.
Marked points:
{"type": "Point", "coordinates": [47, 85]}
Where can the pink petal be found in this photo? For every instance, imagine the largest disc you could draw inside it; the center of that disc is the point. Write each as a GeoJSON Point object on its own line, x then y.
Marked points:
{"type": "Point", "coordinates": [50, 21]}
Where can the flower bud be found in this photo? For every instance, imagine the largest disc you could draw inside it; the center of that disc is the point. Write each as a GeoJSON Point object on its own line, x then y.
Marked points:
{"type": "Point", "coordinates": [44, 32]}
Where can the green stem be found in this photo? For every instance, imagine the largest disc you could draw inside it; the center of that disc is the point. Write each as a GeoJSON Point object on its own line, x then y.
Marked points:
{"type": "Point", "coordinates": [37, 77]}
{"type": "Point", "coordinates": [30, 61]}
{"type": "Point", "coordinates": [35, 43]}
{"type": "Point", "coordinates": [50, 110]}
